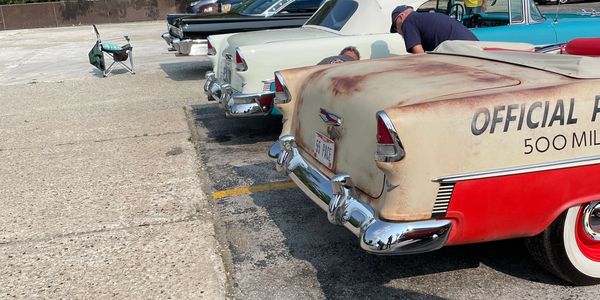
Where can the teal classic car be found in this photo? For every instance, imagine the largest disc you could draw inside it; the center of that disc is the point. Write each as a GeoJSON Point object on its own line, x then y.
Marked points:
{"type": "Point", "coordinates": [520, 21]}
{"type": "Point", "coordinates": [495, 20]}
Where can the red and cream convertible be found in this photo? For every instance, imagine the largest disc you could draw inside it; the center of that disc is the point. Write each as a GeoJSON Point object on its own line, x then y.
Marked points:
{"type": "Point", "coordinates": [470, 143]}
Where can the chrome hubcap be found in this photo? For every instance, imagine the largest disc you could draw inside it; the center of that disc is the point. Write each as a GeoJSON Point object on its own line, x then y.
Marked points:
{"type": "Point", "coordinates": [591, 220]}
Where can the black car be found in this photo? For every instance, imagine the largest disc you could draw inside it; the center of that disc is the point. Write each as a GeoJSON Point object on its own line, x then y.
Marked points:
{"type": "Point", "coordinates": [188, 33]}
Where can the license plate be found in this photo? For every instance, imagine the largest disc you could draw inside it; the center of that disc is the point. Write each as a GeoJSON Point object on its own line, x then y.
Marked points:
{"type": "Point", "coordinates": [324, 150]}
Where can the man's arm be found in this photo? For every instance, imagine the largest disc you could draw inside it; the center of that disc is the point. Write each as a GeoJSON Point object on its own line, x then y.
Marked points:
{"type": "Point", "coordinates": [417, 49]}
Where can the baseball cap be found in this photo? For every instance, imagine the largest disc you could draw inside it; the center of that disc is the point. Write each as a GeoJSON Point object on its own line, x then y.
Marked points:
{"type": "Point", "coordinates": [395, 13]}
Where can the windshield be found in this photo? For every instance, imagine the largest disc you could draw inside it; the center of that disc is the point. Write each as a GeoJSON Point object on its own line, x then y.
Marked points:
{"type": "Point", "coordinates": [255, 7]}
{"type": "Point", "coordinates": [536, 15]}
{"type": "Point", "coordinates": [334, 14]}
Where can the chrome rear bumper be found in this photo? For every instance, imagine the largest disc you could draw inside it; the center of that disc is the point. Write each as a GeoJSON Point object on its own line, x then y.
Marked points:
{"type": "Point", "coordinates": [235, 104]}
{"type": "Point", "coordinates": [239, 105]}
{"type": "Point", "coordinates": [338, 198]}
{"type": "Point", "coordinates": [168, 39]}
{"type": "Point", "coordinates": [186, 46]}
{"type": "Point", "coordinates": [190, 47]}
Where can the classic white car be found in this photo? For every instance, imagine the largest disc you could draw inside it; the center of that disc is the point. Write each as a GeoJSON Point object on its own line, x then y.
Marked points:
{"type": "Point", "coordinates": [244, 63]}
{"type": "Point", "coordinates": [494, 145]}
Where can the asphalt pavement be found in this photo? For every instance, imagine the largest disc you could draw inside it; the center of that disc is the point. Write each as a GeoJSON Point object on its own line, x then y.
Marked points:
{"type": "Point", "coordinates": [281, 245]}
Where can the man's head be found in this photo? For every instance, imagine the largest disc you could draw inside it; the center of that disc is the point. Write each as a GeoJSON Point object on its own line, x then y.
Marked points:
{"type": "Point", "coordinates": [351, 51]}
{"type": "Point", "coordinates": [399, 14]}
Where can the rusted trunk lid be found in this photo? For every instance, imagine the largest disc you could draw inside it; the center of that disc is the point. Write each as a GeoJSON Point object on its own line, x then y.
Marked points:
{"type": "Point", "coordinates": [356, 91]}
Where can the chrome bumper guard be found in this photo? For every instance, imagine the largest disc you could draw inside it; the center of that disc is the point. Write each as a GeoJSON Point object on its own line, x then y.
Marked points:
{"type": "Point", "coordinates": [238, 105]}
{"type": "Point", "coordinates": [211, 88]}
{"type": "Point", "coordinates": [338, 198]}
{"type": "Point", "coordinates": [169, 39]}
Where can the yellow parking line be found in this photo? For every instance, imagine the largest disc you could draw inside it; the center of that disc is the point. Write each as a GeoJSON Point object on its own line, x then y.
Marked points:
{"type": "Point", "coordinates": [254, 189]}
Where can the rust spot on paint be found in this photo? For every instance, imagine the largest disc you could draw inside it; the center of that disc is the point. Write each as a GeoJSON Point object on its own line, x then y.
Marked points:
{"type": "Point", "coordinates": [347, 85]}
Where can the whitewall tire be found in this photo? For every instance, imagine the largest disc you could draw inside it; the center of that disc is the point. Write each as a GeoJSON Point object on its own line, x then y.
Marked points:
{"type": "Point", "coordinates": [570, 246]}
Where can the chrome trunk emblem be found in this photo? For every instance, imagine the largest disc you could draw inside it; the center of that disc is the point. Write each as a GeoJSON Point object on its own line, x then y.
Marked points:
{"type": "Point", "coordinates": [330, 119]}
{"type": "Point", "coordinates": [332, 123]}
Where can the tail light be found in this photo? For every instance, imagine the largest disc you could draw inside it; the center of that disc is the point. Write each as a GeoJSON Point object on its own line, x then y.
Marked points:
{"type": "Point", "coordinates": [266, 101]}
{"type": "Point", "coordinates": [211, 50]}
{"type": "Point", "coordinates": [389, 148]}
{"type": "Point", "coordinates": [282, 95]}
{"type": "Point", "coordinates": [240, 63]}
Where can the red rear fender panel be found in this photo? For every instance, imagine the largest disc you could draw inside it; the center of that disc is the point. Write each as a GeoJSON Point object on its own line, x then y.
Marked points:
{"type": "Point", "coordinates": [519, 205]}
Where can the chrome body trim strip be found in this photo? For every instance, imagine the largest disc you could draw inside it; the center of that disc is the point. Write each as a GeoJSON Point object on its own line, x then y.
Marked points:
{"type": "Point", "coordinates": [338, 198]}
{"type": "Point", "coordinates": [569, 163]}
{"type": "Point", "coordinates": [442, 201]}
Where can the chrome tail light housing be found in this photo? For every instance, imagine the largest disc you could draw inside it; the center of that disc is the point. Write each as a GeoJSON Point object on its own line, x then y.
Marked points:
{"type": "Point", "coordinates": [240, 62]}
{"type": "Point", "coordinates": [211, 50]}
{"type": "Point", "coordinates": [389, 147]}
{"type": "Point", "coordinates": [282, 94]}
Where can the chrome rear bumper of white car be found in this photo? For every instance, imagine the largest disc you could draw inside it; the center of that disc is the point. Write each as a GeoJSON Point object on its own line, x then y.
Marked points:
{"type": "Point", "coordinates": [186, 46]}
{"type": "Point", "coordinates": [239, 105]}
{"type": "Point", "coordinates": [337, 197]}
{"type": "Point", "coordinates": [191, 47]}
{"type": "Point", "coordinates": [168, 39]}
{"type": "Point", "coordinates": [235, 104]}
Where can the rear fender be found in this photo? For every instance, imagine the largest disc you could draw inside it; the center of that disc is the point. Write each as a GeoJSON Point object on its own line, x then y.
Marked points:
{"type": "Point", "coordinates": [219, 42]}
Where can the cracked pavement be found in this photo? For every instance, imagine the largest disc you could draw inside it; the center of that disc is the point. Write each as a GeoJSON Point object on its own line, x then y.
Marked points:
{"type": "Point", "coordinates": [99, 191]}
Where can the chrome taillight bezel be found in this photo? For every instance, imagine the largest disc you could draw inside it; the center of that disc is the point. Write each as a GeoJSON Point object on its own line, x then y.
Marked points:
{"type": "Point", "coordinates": [240, 66]}
{"type": "Point", "coordinates": [389, 152]}
{"type": "Point", "coordinates": [211, 50]}
{"type": "Point", "coordinates": [283, 96]}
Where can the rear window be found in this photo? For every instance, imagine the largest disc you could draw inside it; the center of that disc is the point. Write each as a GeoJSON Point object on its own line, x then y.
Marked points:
{"type": "Point", "coordinates": [334, 14]}
{"type": "Point", "coordinates": [302, 6]}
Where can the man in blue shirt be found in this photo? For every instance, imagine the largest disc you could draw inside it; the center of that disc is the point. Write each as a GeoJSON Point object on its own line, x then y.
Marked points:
{"type": "Point", "coordinates": [423, 31]}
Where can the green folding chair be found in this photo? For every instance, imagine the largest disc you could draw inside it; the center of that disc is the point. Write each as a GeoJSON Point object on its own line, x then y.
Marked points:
{"type": "Point", "coordinates": [120, 55]}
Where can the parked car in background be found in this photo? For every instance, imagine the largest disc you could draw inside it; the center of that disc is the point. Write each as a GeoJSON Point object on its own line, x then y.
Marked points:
{"type": "Point", "coordinates": [188, 34]}
{"type": "Point", "coordinates": [212, 6]}
{"type": "Point", "coordinates": [467, 144]}
{"type": "Point", "coordinates": [201, 7]}
{"type": "Point", "coordinates": [244, 62]}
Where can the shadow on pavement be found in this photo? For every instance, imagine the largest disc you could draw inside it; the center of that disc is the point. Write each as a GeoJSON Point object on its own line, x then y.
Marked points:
{"type": "Point", "coordinates": [237, 131]}
{"type": "Point", "coordinates": [186, 70]}
{"type": "Point", "coordinates": [115, 72]}
{"type": "Point", "coordinates": [343, 270]}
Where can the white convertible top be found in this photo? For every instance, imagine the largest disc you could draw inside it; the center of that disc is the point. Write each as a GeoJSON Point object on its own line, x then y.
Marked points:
{"type": "Point", "coordinates": [584, 67]}
{"type": "Point", "coordinates": [373, 16]}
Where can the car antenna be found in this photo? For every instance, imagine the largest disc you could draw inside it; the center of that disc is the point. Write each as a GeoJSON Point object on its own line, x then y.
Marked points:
{"type": "Point", "coordinates": [555, 21]}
